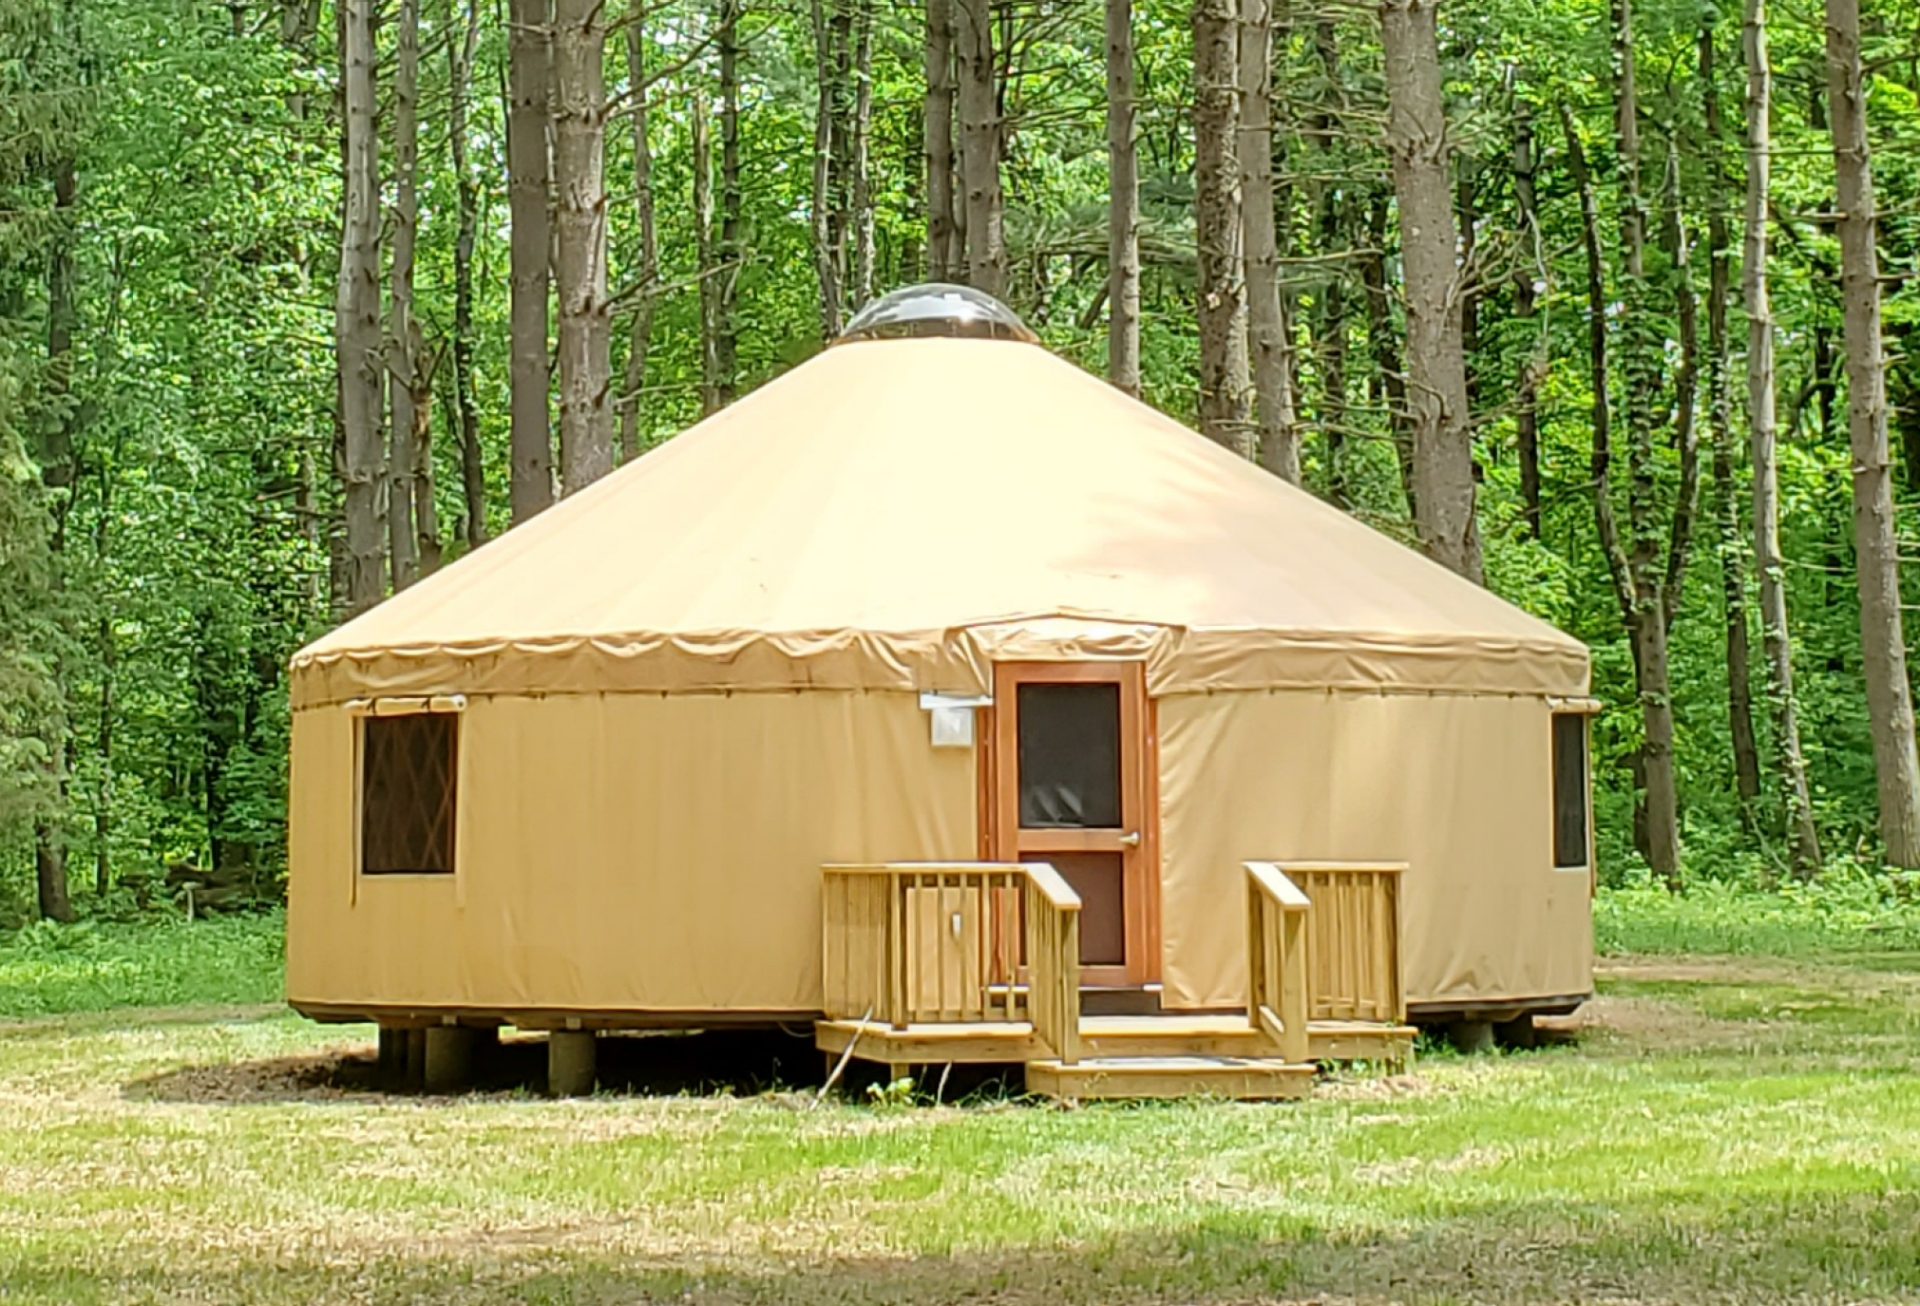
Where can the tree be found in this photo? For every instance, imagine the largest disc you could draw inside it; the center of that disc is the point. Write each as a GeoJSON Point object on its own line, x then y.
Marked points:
{"type": "Point", "coordinates": [1269, 347]}
{"type": "Point", "coordinates": [403, 333]}
{"type": "Point", "coordinates": [358, 342]}
{"type": "Point", "coordinates": [859, 157]}
{"type": "Point", "coordinates": [1532, 269]}
{"type": "Point", "coordinates": [980, 143]}
{"type": "Point", "coordinates": [473, 468]}
{"type": "Point", "coordinates": [1732, 551]}
{"type": "Point", "coordinates": [529, 77]}
{"type": "Point", "coordinates": [1225, 409]}
{"type": "Point", "coordinates": [1444, 511]}
{"type": "Point", "coordinates": [647, 270]}
{"type": "Point", "coordinates": [1763, 435]}
{"type": "Point", "coordinates": [704, 262]}
{"type": "Point", "coordinates": [1876, 551]}
{"type": "Point", "coordinates": [943, 253]}
{"type": "Point", "coordinates": [823, 202]}
{"type": "Point", "coordinates": [580, 262]}
{"type": "Point", "coordinates": [1329, 324]}
{"type": "Point", "coordinates": [1123, 204]}
{"type": "Point", "coordinates": [1647, 577]}
{"type": "Point", "coordinates": [730, 250]}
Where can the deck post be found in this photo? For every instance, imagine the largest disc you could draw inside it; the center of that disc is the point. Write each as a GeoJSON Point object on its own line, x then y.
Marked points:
{"type": "Point", "coordinates": [570, 1062]}
{"type": "Point", "coordinates": [414, 1067]}
{"type": "Point", "coordinates": [448, 1059]}
{"type": "Point", "coordinates": [1472, 1037]}
{"type": "Point", "coordinates": [392, 1062]}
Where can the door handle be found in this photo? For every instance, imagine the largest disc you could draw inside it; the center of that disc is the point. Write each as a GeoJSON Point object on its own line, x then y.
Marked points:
{"type": "Point", "coordinates": [1130, 840]}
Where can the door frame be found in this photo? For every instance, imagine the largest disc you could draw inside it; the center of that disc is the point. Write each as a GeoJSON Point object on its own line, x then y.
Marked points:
{"type": "Point", "coordinates": [999, 801]}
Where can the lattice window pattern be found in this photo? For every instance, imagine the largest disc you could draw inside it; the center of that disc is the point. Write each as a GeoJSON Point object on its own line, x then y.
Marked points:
{"type": "Point", "coordinates": [408, 792]}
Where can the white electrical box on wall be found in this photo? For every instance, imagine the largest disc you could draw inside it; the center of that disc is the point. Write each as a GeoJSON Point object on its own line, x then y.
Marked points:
{"type": "Point", "coordinates": [953, 717]}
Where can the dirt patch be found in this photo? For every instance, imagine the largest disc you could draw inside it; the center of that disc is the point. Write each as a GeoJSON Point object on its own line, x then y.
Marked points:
{"type": "Point", "coordinates": [1652, 1025]}
{"type": "Point", "coordinates": [1703, 970]}
{"type": "Point", "coordinates": [316, 1077]}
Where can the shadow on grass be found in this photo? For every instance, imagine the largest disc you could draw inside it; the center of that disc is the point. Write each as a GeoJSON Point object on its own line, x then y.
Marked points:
{"type": "Point", "coordinates": [1797, 1247]}
{"type": "Point", "coordinates": [707, 1062]}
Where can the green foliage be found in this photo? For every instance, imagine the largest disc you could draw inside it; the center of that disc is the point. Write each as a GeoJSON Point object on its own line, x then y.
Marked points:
{"type": "Point", "coordinates": [46, 968]}
{"type": "Point", "coordinates": [1851, 908]}
{"type": "Point", "coordinates": [150, 600]}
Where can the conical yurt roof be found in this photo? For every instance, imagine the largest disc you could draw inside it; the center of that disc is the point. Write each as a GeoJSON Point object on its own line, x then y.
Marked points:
{"type": "Point", "coordinates": [905, 508]}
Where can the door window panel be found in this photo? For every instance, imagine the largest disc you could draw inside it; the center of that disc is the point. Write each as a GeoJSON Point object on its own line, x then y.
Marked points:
{"type": "Point", "coordinates": [1069, 756]}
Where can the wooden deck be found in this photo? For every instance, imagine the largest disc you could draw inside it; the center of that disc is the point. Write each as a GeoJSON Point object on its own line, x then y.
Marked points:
{"type": "Point", "coordinates": [979, 962]}
{"type": "Point", "coordinates": [1010, 1041]}
{"type": "Point", "coordinates": [1253, 1079]}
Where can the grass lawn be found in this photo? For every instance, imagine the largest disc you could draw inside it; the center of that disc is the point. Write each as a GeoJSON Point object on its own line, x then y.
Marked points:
{"type": "Point", "coordinates": [1720, 1129]}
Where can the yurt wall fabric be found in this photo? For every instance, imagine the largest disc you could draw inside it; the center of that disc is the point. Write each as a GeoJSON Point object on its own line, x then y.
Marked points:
{"type": "Point", "coordinates": [1459, 787]}
{"type": "Point", "coordinates": [632, 852]}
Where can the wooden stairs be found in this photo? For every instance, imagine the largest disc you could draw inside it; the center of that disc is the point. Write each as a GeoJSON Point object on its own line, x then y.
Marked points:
{"type": "Point", "coordinates": [980, 962]}
{"type": "Point", "coordinates": [1169, 1055]}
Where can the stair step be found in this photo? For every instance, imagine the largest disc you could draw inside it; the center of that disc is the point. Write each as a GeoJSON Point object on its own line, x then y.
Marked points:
{"type": "Point", "coordinates": [1246, 1078]}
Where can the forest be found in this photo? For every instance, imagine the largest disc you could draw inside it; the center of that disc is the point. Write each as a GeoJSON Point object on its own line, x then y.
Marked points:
{"type": "Point", "coordinates": [1605, 304]}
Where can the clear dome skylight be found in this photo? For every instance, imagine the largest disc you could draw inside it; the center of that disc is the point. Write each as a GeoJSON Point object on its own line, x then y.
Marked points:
{"type": "Point", "coordinates": [937, 309]}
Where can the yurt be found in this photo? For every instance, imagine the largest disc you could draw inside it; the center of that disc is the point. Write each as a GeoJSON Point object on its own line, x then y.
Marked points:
{"type": "Point", "coordinates": [941, 695]}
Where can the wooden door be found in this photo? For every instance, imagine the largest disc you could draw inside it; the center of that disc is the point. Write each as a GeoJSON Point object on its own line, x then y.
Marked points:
{"type": "Point", "coordinates": [1070, 784]}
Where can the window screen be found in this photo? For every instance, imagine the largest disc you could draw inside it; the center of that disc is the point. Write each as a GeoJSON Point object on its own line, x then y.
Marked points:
{"type": "Point", "coordinates": [1069, 756]}
{"type": "Point", "coordinates": [407, 782]}
{"type": "Point", "coordinates": [1569, 790]}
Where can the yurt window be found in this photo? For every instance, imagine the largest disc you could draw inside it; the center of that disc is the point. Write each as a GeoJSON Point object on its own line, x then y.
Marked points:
{"type": "Point", "coordinates": [408, 782]}
{"type": "Point", "coordinates": [1569, 789]}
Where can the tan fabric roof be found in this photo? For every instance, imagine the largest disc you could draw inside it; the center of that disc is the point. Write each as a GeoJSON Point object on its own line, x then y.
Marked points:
{"type": "Point", "coordinates": [897, 513]}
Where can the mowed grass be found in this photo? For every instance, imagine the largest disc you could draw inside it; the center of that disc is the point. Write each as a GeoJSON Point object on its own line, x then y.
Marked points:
{"type": "Point", "coordinates": [1716, 1129]}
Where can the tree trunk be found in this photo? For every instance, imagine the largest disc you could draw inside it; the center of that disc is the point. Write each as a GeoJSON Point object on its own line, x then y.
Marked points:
{"type": "Point", "coordinates": [702, 142]}
{"type": "Point", "coordinates": [1389, 387]}
{"type": "Point", "coordinates": [826, 257]}
{"type": "Point", "coordinates": [403, 345]}
{"type": "Point", "coordinates": [1733, 573]}
{"type": "Point", "coordinates": [980, 147]}
{"type": "Point", "coordinates": [107, 649]}
{"type": "Point", "coordinates": [943, 253]}
{"type": "Point", "coordinates": [1531, 277]}
{"type": "Point", "coordinates": [1790, 761]}
{"type": "Point", "coordinates": [647, 273]}
{"type": "Point", "coordinates": [426, 509]}
{"type": "Point", "coordinates": [59, 473]}
{"type": "Point", "coordinates": [860, 150]}
{"type": "Point", "coordinates": [1225, 404]}
{"type": "Point", "coordinates": [1677, 246]}
{"type": "Point", "coordinates": [1467, 204]}
{"type": "Point", "coordinates": [730, 250]}
{"type": "Point", "coordinates": [1876, 553]}
{"type": "Point", "coordinates": [1436, 359]}
{"type": "Point", "coordinates": [1330, 300]}
{"type": "Point", "coordinates": [1652, 663]}
{"type": "Point", "coordinates": [1637, 610]}
{"type": "Point", "coordinates": [586, 315]}
{"type": "Point", "coordinates": [358, 343]}
{"type": "Point", "coordinates": [1123, 205]}
{"type": "Point", "coordinates": [1648, 593]}
{"type": "Point", "coordinates": [473, 472]}
{"type": "Point", "coordinates": [1269, 349]}
{"type": "Point", "coordinates": [530, 73]}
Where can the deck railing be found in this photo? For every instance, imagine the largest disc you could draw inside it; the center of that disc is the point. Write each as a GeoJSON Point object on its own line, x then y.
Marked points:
{"type": "Point", "coordinates": [1353, 939]}
{"type": "Point", "coordinates": [1053, 957]}
{"type": "Point", "coordinates": [1277, 958]}
{"type": "Point", "coordinates": [905, 943]}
